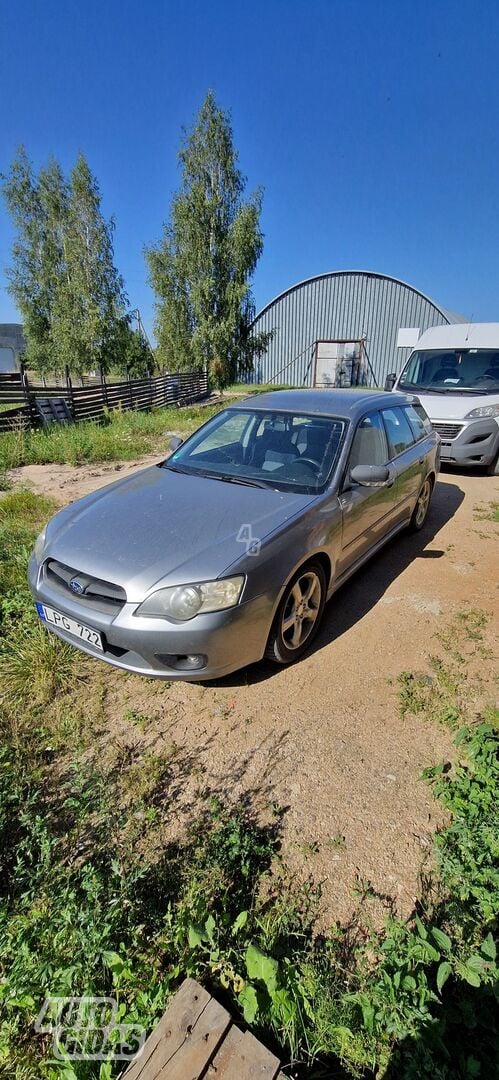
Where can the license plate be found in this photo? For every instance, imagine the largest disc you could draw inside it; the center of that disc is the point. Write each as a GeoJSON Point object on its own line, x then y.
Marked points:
{"type": "Point", "coordinates": [71, 626]}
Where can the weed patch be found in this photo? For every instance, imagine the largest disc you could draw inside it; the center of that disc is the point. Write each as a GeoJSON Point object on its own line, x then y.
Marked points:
{"type": "Point", "coordinates": [97, 898]}
{"type": "Point", "coordinates": [489, 512]}
{"type": "Point", "coordinates": [123, 437]}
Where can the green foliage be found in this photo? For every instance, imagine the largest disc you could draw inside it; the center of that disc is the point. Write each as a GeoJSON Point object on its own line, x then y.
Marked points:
{"type": "Point", "coordinates": [489, 512]}
{"type": "Point", "coordinates": [124, 437]}
{"type": "Point", "coordinates": [202, 268]}
{"type": "Point", "coordinates": [94, 899]}
{"type": "Point", "coordinates": [33, 664]}
{"type": "Point", "coordinates": [468, 849]}
{"type": "Point", "coordinates": [63, 277]}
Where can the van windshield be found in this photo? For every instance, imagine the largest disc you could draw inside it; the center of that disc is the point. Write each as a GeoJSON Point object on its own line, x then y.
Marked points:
{"type": "Point", "coordinates": [461, 371]}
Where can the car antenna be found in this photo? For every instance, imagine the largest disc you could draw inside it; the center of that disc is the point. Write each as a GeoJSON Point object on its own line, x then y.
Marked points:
{"type": "Point", "coordinates": [469, 326]}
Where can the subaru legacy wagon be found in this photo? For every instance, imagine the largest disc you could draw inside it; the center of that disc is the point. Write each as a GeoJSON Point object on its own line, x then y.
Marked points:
{"type": "Point", "coordinates": [226, 552]}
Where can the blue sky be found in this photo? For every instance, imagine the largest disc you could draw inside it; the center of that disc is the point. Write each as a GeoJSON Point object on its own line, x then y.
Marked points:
{"type": "Point", "coordinates": [372, 126]}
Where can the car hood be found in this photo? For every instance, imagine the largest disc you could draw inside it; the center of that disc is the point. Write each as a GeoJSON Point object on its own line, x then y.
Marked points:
{"type": "Point", "coordinates": [455, 406]}
{"type": "Point", "coordinates": [161, 524]}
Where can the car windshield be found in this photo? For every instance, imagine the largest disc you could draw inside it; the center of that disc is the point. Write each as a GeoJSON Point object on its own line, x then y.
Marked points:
{"type": "Point", "coordinates": [286, 451]}
{"type": "Point", "coordinates": [461, 371]}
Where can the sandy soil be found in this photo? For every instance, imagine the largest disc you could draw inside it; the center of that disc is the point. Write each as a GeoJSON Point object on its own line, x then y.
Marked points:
{"type": "Point", "coordinates": [325, 738]}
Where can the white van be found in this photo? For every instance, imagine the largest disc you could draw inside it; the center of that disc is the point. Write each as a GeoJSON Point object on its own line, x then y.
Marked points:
{"type": "Point", "coordinates": [454, 370]}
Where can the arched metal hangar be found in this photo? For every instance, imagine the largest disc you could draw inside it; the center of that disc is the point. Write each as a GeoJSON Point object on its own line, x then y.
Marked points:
{"type": "Point", "coordinates": [338, 313]}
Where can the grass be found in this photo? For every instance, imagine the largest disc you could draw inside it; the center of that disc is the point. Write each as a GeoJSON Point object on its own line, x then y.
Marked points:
{"type": "Point", "coordinates": [125, 436]}
{"type": "Point", "coordinates": [97, 896]}
{"type": "Point", "coordinates": [489, 512]}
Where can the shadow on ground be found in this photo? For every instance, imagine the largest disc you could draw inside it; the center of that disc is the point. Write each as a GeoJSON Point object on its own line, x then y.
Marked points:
{"type": "Point", "coordinates": [359, 595]}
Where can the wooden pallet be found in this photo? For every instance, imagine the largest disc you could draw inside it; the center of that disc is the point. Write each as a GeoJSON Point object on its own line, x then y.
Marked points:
{"type": "Point", "coordinates": [196, 1039]}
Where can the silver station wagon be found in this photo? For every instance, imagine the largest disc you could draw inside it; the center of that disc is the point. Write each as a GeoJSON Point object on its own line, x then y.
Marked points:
{"type": "Point", "coordinates": [227, 551]}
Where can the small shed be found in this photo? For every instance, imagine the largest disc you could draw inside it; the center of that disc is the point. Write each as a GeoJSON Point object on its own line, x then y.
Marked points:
{"type": "Point", "coordinates": [12, 346]}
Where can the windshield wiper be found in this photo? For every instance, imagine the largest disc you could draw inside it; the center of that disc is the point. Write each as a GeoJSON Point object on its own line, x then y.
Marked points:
{"type": "Point", "coordinates": [174, 468]}
{"type": "Point", "coordinates": [235, 480]}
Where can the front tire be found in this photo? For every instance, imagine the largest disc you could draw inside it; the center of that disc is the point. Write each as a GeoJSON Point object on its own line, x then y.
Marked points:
{"type": "Point", "coordinates": [299, 614]}
{"type": "Point", "coordinates": [420, 512]}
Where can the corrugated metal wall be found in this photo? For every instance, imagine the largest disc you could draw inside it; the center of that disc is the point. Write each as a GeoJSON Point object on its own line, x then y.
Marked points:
{"type": "Point", "coordinates": [346, 304]}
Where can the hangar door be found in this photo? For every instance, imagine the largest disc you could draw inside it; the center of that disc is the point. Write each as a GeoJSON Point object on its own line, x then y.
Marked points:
{"type": "Point", "coordinates": [340, 363]}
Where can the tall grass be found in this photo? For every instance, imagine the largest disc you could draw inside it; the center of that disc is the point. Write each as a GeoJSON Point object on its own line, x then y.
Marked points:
{"type": "Point", "coordinates": [34, 666]}
{"type": "Point", "coordinates": [122, 437]}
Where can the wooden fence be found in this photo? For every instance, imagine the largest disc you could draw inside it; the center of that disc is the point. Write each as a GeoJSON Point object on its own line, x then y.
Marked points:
{"type": "Point", "coordinates": [19, 394]}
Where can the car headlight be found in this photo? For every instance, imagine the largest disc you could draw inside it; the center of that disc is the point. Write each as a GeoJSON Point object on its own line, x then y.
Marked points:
{"type": "Point", "coordinates": [183, 602]}
{"type": "Point", "coordinates": [483, 410]}
{"type": "Point", "coordinates": [40, 545]}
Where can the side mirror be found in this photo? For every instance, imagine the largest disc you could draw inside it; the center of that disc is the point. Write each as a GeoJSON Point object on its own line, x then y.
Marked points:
{"type": "Point", "coordinates": [174, 442]}
{"type": "Point", "coordinates": [370, 475]}
{"type": "Point", "coordinates": [390, 381]}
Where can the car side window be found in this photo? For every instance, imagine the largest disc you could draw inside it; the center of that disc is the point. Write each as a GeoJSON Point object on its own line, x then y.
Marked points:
{"type": "Point", "coordinates": [398, 430]}
{"type": "Point", "coordinates": [369, 446]}
{"type": "Point", "coordinates": [419, 421]}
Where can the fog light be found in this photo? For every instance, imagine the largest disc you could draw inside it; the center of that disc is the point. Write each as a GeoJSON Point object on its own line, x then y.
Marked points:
{"type": "Point", "coordinates": [190, 662]}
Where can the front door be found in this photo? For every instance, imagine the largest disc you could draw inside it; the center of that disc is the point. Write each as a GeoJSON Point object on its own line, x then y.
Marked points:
{"type": "Point", "coordinates": [368, 512]}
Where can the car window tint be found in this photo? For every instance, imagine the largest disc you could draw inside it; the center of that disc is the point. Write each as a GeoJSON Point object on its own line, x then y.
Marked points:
{"type": "Point", "coordinates": [419, 427]}
{"type": "Point", "coordinates": [398, 430]}
{"type": "Point", "coordinates": [369, 443]}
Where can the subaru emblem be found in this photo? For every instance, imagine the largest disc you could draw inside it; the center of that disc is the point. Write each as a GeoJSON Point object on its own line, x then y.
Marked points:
{"type": "Point", "coordinates": [76, 586]}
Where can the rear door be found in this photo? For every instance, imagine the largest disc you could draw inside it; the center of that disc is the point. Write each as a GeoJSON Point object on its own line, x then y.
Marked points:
{"type": "Point", "coordinates": [408, 456]}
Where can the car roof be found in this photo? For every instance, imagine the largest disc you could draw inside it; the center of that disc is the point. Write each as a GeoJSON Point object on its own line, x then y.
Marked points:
{"type": "Point", "coordinates": [343, 403]}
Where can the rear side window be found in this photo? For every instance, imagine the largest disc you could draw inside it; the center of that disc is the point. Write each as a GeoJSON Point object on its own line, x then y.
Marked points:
{"type": "Point", "coordinates": [419, 421]}
{"type": "Point", "coordinates": [398, 430]}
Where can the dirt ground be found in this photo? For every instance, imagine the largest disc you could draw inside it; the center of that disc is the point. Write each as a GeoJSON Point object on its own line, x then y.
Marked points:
{"type": "Point", "coordinates": [325, 738]}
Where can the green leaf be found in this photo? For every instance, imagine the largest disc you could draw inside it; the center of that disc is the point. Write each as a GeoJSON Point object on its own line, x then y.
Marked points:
{"type": "Point", "coordinates": [488, 947]}
{"type": "Point", "coordinates": [443, 973]}
{"type": "Point", "coordinates": [421, 929]}
{"type": "Point", "coordinates": [261, 967]}
{"type": "Point", "coordinates": [241, 921]}
{"type": "Point", "coordinates": [475, 962]}
{"type": "Point", "coordinates": [210, 926]}
{"type": "Point", "coordinates": [428, 952]}
{"type": "Point", "coordinates": [367, 1015]}
{"type": "Point", "coordinates": [113, 962]}
{"type": "Point", "coordinates": [443, 940]}
{"type": "Point", "coordinates": [195, 935]}
{"type": "Point", "coordinates": [468, 974]}
{"type": "Point", "coordinates": [249, 1002]}
{"type": "Point", "coordinates": [284, 1005]}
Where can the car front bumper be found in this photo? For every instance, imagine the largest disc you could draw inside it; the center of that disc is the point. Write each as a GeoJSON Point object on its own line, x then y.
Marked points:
{"type": "Point", "coordinates": [468, 442]}
{"type": "Point", "coordinates": [223, 640]}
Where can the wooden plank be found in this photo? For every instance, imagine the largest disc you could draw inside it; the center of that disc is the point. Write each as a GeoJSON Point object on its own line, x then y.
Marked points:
{"type": "Point", "coordinates": [242, 1057]}
{"type": "Point", "coordinates": [185, 1040]}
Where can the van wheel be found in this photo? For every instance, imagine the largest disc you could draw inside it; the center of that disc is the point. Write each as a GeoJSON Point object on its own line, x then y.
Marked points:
{"type": "Point", "coordinates": [299, 615]}
{"type": "Point", "coordinates": [420, 512]}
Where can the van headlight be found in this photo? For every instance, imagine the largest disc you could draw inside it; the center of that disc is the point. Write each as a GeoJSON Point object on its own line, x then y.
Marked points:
{"type": "Point", "coordinates": [482, 410]}
{"type": "Point", "coordinates": [39, 547]}
{"type": "Point", "coordinates": [183, 602]}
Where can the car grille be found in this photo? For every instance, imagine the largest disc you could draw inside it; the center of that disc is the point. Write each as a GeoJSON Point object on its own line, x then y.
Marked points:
{"type": "Point", "coordinates": [448, 431]}
{"type": "Point", "coordinates": [98, 594]}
